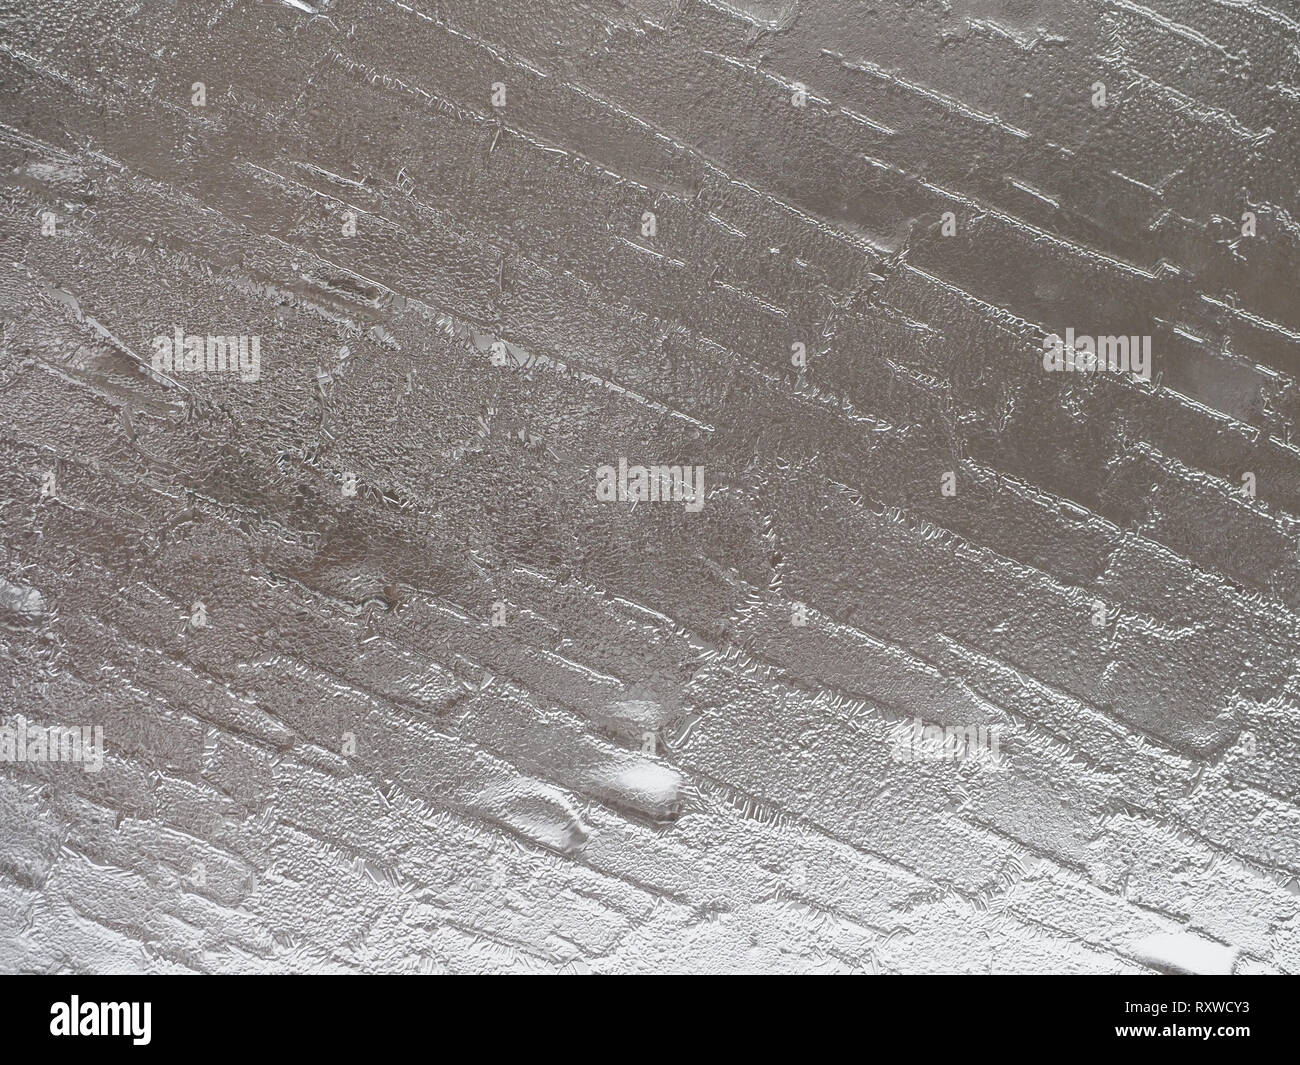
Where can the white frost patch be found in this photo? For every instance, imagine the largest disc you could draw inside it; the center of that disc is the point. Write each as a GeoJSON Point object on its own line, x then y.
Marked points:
{"type": "Point", "coordinates": [649, 784]}
{"type": "Point", "coordinates": [1185, 952]}
{"type": "Point", "coordinates": [21, 598]}
{"type": "Point", "coordinates": [538, 812]}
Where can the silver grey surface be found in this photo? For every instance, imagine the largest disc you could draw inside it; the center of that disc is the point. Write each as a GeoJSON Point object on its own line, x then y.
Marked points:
{"type": "Point", "coordinates": [342, 764]}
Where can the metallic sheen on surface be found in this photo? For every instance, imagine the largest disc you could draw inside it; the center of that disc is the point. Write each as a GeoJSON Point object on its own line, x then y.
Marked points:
{"type": "Point", "coordinates": [536, 485]}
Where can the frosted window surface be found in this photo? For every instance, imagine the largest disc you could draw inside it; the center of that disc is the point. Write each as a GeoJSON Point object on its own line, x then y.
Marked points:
{"type": "Point", "coordinates": [649, 487]}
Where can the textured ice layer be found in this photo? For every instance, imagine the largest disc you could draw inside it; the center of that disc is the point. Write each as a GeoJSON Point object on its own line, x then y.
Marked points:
{"type": "Point", "coordinates": [649, 486]}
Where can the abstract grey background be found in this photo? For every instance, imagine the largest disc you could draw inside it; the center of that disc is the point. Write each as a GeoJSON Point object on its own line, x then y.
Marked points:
{"type": "Point", "coordinates": [384, 685]}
